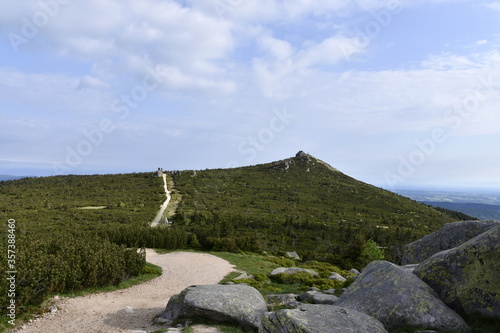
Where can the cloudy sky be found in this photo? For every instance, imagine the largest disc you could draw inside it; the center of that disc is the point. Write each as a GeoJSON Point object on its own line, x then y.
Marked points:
{"type": "Point", "coordinates": [395, 93]}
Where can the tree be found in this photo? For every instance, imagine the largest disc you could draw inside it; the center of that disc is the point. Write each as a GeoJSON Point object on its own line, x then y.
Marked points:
{"type": "Point", "coordinates": [371, 252]}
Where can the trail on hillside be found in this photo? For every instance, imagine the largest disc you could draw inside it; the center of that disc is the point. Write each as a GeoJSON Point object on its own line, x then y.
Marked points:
{"type": "Point", "coordinates": [133, 309]}
{"type": "Point", "coordinates": [165, 204]}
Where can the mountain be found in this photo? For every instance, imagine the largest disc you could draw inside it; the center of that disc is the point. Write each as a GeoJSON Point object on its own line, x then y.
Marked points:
{"type": "Point", "coordinates": [301, 204]}
{"type": "Point", "coordinates": [297, 204]}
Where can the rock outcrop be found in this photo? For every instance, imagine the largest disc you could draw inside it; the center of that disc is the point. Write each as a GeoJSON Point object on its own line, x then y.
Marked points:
{"type": "Point", "coordinates": [467, 278]}
{"type": "Point", "coordinates": [399, 299]}
{"type": "Point", "coordinates": [316, 318]}
{"type": "Point", "coordinates": [449, 236]}
{"type": "Point", "coordinates": [239, 304]}
{"type": "Point", "coordinates": [300, 154]}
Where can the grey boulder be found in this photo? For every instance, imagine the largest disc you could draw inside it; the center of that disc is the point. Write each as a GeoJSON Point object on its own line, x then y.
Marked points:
{"type": "Point", "coordinates": [318, 318]}
{"type": "Point", "coordinates": [449, 236]}
{"type": "Point", "coordinates": [399, 299]}
{"type": "Point", "coordinates": [238, 304]}
{"type": "Point", "coordinates": [467, 277]}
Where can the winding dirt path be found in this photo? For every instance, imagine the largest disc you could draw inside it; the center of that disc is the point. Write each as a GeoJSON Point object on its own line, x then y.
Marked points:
{"type": "Point", "coordinates": [165, 204]}
{"type": "Point", "coordinates": [132, 310]}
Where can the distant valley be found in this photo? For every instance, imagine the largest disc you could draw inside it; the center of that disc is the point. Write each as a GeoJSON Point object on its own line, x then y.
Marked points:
{"type": "Point", "coordinates": [484, 205]}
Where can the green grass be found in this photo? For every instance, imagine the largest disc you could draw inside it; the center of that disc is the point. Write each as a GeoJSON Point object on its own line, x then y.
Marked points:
{"type": "Point", "coordinates": [248, 262]}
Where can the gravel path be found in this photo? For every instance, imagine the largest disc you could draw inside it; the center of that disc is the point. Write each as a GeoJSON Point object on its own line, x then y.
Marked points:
{"type": "Point", "coordinates": [163, 207]}
{"type": "Point", "coordinates": [132, 310]}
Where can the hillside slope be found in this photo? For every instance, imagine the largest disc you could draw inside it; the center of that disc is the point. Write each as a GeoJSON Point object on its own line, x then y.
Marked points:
{"type": "Point", "coordinates": [300, 203]}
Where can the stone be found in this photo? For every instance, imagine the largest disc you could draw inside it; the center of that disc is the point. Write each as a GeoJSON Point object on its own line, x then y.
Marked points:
{"type": "Point", "coordinates": [337, 277]}
{"type": "Point", "coordinates": [292, 255]}
{"type": "Point", "coordinates": [289, 300]}
{"type": "Point", "coordinates": [449, 236]}
{"type": "Point", "coordinates": [467, 277]}
{"type": "Point", "coordinates": [316, 297]}
{"type": "Point", "coordinates": [292, 270]}
{"type": "Point", "coordinates": [320, 318]}
{"type": "Point", "coordinates": [238, 304]}
{"type": "Point", "coordinates": [399, 300]}
{"type": "Point", "coordinates": [244, 276]}
{"type": "Point", "coordinates": [354, 271]}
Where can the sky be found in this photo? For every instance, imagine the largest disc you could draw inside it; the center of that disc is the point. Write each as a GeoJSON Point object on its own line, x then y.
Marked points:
{"type": "Point", "coordinates": [396, 93]}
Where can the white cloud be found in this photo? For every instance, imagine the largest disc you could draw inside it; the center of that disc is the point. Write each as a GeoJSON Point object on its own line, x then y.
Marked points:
{"type": "Point", "coordinates": [67, 94]}
{"type": "Point", "coordinates": [493, 5]}
{"type": "Point", "coordinates": [130, 37]}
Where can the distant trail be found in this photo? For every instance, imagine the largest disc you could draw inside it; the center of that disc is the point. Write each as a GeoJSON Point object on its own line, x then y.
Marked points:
{"type": "Point", "coordinates": [165, 204]}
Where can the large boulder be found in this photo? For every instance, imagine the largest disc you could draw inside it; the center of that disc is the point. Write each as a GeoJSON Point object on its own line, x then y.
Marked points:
{"type": "Point", "coordinates": [238, 304]}
{"type": "Point", "coordinates": [317, 318]}
{"type": "Point", "coordinates": [467, 278]}
{"type": "Point", "coordinates": [449, 236]}
{"type": "Point", "coordinates": [399, 299]}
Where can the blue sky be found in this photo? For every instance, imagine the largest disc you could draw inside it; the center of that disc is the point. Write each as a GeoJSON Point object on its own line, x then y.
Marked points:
{"type": "Point", "coordinates": [392, 92]}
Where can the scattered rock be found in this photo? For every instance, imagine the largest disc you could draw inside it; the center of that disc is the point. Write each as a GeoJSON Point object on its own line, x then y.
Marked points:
{"type": "Point", "coordinates": [467, 277]}
{"type": "Point", "coordinates": [449, 236]}
{"type": "Point", "coordinates": [289, 300]}
{"type": "Point", "coordinates": [244, 276]}
{"type": "Point", "coordinates": [337, 277]}
{"type": "Point", "coordinates": [399, 300]}
{"type": "Point", "coordinates": [316, 297]}
{"type": "Point", "coordinates": [292, 255]}
{"type": "Point", "coordinates": [238, 304]}
{"type": "Point", "coordinates": [292, 270]}
{"type": "Point", "coordinates": [319, 318]}
{"type": "Point", "coordinates": [354, 271]}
